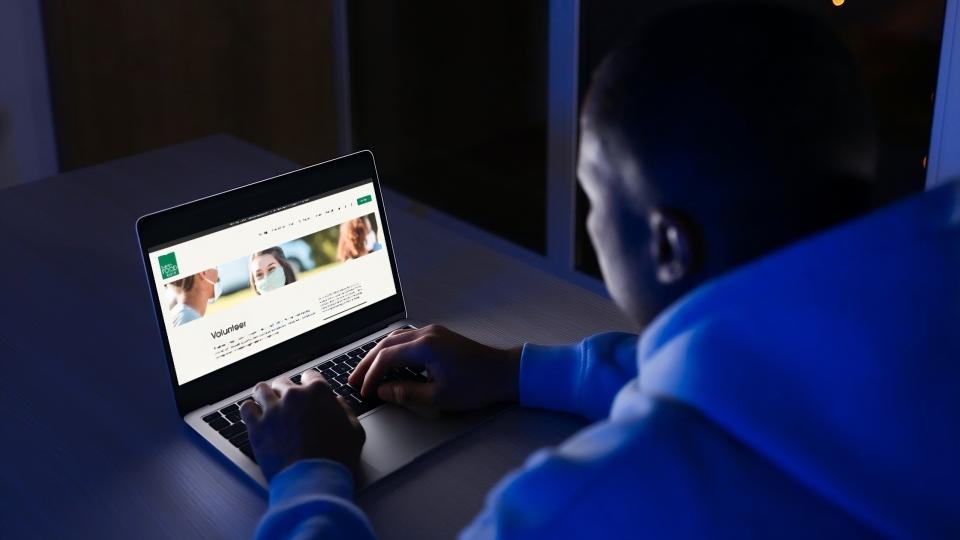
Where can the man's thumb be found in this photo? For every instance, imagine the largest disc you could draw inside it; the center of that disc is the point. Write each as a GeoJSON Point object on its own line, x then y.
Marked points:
{"type": "Point", "coordinates": [407, 393]}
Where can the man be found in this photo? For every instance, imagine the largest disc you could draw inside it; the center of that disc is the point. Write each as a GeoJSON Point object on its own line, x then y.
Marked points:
{"type": "Point", "coordinates": [758, 400]}
{"type": "Point", "coordinates": [192, 294]}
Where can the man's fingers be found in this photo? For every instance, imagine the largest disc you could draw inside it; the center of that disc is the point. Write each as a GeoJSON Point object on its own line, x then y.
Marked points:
{"type": "Point", "coordinates": [408, 393]}
{"type": "Point", "coordinates": [357, 426]}
{"type": "Point", "coordinates": [281, 385]}
{"type": "Point", "coordinates": [397, 336]}
{"type": "Point", "coordinates": [250, 411]}
{"type": "Point", "coordinates": [400, 336]}
{"type": "Point", "coordinates": [395, 356]}
{"type": "Point", "coordinates": [401, 331]}
{"type": "Point", "coordinates": [265, 396]}
{"type": "Point", "coordinates": [346, 408]}
{"type": "Point", "coordinates": [314, 384]}
{"type": "Point", "coordinates": [311, 376]}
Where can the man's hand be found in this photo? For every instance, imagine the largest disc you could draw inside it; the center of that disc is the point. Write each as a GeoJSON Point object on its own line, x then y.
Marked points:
{"type": "Point", "coordinates": [463, 374]}
{"type": "Point", "coordinates": [288, 422]}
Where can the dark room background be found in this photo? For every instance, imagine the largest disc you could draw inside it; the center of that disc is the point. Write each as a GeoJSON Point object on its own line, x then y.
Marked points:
{"type": "Point", "coordinates": [127, 77]}
{"type": "Point", "coordinates": [452, 97]}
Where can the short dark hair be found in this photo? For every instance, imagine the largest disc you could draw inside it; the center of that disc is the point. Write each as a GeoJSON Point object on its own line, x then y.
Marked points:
{"type": "Point", "coordinates": [757, 105]}
{"type": "Point", "coordinates": [184, 283]}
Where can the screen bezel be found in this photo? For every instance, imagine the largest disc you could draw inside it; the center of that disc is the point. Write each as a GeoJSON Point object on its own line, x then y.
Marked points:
{"type": "Point", "coordinates": [236, 204]}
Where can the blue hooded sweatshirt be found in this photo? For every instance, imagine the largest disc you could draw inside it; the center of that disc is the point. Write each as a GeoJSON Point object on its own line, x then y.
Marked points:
{"type": "Point", "coordinates": [813, 392]}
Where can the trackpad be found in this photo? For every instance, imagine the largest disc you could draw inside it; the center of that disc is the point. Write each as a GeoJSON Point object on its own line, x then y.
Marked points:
{"type": "Point", "coordinates": [397, 436]}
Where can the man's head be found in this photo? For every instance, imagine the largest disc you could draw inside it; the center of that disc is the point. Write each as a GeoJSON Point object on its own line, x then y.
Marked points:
{"type": "Point", "coordinates": [721, 132]}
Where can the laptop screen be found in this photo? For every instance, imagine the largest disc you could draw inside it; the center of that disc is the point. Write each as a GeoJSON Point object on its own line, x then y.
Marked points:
{"type": "Point", "coordinates": [234, 290]}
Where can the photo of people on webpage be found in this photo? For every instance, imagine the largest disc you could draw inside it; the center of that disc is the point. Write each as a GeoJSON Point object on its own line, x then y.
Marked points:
{"type": "Point", "coordinates": [190, 296]}
{"type": "Point", "coordinates": [217, 289]}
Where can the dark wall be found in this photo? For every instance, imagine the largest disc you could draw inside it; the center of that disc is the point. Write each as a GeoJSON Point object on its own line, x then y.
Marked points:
{"type": "Point", "coordinates": [132, 76]}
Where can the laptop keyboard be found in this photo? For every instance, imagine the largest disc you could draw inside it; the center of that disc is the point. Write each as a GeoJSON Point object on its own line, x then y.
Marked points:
{"type": "Point", "coordinates": [227, 420]}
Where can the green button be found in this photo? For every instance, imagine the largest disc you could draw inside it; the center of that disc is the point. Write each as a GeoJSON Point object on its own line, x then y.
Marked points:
{"type": "Point", "coordinates": [365, 199]}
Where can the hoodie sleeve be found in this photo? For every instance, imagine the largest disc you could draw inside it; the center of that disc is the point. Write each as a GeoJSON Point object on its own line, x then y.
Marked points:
{"type": "Point", "coordinates": [582, 378]}
{"type": "Point", "coordinates": [313, 498]}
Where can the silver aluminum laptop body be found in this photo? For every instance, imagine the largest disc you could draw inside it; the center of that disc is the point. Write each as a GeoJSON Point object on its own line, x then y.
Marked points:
{"type": "Point", "coordinates": [394, 436]}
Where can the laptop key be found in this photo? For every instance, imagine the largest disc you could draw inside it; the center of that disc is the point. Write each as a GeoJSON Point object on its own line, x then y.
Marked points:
{"type": "Point", "coordinates": [328, 374]}
{"type": "Point", "coordinates": [295, 379]}
{"type": "Point", "coordinates": [341, 368]}
{"type": "Point", "coordinates": [240, 439]}
{"type": "Point", "coordinates": [248, 451]}
{"type": "Point", "coordinates": [343, 390]}
{"type": "Point", "coordinates": [326, 364]}
{"type": "Point", "coordinates": [248, 398]}
{"type": "Point", "coordinates": [362, 405]}
{"type": "Point", "coordinates": [229, 408]}
{"type": "Point", "coordinates": [219, 423]}
{"type": "Point", "coordinates": [233, 430]}
{"type": "Point", "coordinates": [341, 379]}
{"type": "Point", "coordinates": [211, 417]}
{"type": "Point", "coordinates": [233, 416]}
{"type": "Point", "coordinates": [353, 362]}
{"type": "Point", "coordinates": [410, 374]}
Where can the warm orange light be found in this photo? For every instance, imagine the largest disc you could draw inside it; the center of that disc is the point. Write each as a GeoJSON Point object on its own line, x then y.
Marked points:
{"type": "Point", "coordinates": [838, 3]}
{"type": "Point", "coordinates": [924, 162]}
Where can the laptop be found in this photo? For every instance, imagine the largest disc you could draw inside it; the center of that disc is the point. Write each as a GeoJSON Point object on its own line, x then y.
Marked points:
{"type": "Point", "coordinates": [288, 274]}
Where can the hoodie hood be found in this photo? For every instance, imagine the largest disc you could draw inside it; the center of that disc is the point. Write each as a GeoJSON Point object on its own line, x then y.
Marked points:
{"type": "Point", "coordinates": [838, 360]}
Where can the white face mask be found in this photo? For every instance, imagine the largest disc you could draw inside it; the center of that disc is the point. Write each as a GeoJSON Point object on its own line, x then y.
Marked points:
{"type": "Point", "coordinates": [273, 281]}
{"type": "Point", "coordinates": [217, 290]}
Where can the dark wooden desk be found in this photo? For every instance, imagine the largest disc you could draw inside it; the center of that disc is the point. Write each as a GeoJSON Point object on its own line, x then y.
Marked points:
{"type": "Point", "coordinates": [91, 444]}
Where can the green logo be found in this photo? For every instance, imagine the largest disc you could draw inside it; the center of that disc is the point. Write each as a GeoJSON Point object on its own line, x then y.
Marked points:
{"type": "Point", "coordinates": [168, 265]}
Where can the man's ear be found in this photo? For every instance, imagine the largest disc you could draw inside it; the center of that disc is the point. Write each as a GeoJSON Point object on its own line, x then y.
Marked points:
{"type": "Point", "coordinates": [672, 246]}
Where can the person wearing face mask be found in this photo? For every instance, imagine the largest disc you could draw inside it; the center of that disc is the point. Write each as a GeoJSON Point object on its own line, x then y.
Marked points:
{"type": "Point", "coordinates": [270, 270]}
{"type": "Point", "coordinates": [192, 294]}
